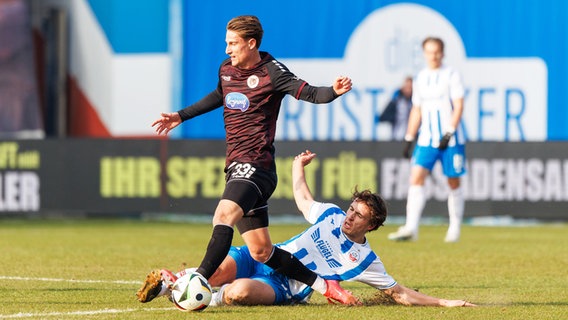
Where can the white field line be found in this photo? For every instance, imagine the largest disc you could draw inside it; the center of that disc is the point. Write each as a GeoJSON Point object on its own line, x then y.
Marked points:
{"type": "Point", "coordinates": [73, 313]}
{"type": "Point", "coordinates": [68, 280]}
{"type": "Point", "coordinates": [76, 313]}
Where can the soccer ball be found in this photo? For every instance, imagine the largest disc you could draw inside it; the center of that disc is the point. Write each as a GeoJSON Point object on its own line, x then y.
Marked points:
{"type": "Point", "coordinates": [191, 292]}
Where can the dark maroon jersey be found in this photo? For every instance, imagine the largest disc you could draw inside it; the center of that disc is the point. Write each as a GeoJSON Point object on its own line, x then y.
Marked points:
{"type": "Point", "coordinates": [252, 99]}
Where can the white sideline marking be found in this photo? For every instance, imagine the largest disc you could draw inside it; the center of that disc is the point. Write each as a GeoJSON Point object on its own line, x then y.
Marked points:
{"type": "Point", "coordinates": [68, 280]}
{"type": "Point", "coordinates": [75, 313]}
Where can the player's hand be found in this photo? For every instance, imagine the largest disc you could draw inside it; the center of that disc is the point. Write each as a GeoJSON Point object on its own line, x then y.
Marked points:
{"type": "Point", "coordinates": [305, 158]}
{"type": "Point", "coordinates": [406, 151]}
{"type": "Point", "coordinates": [445, 140]}
{"type": "Point", "coordinates": [167, 122]}
{"type": "Point", "coordinates": [456, 303]}
{"type": "Point", "coordinates": [342, 85]}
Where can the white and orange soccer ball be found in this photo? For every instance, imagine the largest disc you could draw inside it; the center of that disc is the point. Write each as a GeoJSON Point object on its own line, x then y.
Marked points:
{"type": "Point", "coordinates": [191, 292]}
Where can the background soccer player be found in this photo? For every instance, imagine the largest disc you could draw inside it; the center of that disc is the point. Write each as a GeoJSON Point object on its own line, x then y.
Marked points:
{"type": "Point", "coordinates": [251, 87]}
{"type": "Point", "coordinates": [437, 98]}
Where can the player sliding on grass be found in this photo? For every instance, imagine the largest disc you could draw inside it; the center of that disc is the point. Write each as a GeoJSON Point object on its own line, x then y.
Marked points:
{"type": "Point", "coordinates": [335, 247]}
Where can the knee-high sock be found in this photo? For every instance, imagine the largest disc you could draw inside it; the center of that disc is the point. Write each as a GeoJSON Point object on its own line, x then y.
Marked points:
{"type": "Point", "coordinates": [455, 207]}
{"type": "Point", "coordinates": [414, 206]}
{"type": "Point", "coordinates": [217, 250]}
{"type": "Point", "coordinates": [288, 265]}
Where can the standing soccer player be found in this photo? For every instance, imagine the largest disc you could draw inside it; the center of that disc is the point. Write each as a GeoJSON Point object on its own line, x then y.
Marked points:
{"type": "Point", "coordinates": [437, 99]}
{"type": "Point", "coordinates": [251, 87]}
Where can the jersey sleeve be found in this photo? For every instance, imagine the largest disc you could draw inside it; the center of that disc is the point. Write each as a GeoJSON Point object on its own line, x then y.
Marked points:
{"type": "Point", "coordinates": [376, 276]}
{"type": "Point", "coordinates": [318, 209]}
{"type": "Point", "coordinates": [317, 94]}
{"type": "Point", "coordinates": [286, 82]}
{"type": "Point", "coordinates": [208, 103]}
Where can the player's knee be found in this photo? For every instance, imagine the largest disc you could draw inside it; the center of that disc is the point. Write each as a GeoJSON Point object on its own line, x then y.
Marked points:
{"type": "Point", "coordinates": [237, 294]}
{"type": "Point", "coordinates": [454, 183]}
{"type": "Point", "coordinates": [261, 254]}
{"type": "Point", "coordinates": [227, 213]}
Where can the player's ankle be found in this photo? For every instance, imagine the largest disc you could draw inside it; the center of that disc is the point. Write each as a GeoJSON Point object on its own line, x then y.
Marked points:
{"type": "Point", "coordinates": [320, 285]}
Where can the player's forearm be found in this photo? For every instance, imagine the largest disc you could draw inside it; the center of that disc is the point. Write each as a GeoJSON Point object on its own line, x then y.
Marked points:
{"type": "Point", "coordinates": [409, 297]}
{"type": "Point", "coordinates": [302, 194]}
{"type": "Point", "coordinates": [210, 102]}
{"type": "Point", "coordinates": [457, 114]}
{"type": "Point", "coordinates": [414, 120]}
{"type": "Point", "coordinates": [318, 94]}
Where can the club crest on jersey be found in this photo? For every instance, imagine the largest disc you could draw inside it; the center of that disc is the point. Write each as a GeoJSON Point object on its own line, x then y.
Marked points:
{"type": "Point", "coordinates": [252, 81]}
{"type": "Point", "coordinates": [353, 255]}
{"type": "Point", "coordinates": [237, 101]}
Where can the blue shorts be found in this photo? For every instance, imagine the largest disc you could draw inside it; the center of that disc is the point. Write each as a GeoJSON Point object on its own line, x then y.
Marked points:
{"type": "Point", "coordinates": [452, 159]}
{"type": "Point", "coordinates": [287, 291]}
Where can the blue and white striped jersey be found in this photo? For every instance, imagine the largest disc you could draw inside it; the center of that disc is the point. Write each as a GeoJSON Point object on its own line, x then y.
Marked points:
{"type": "Point", "coordinates": [433, 91]}
{"type": "Point", "coordinates": [324, 249]}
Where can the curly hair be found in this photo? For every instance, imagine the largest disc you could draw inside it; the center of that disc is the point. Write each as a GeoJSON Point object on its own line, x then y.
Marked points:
{"type": "Point", "coordinates": [375, 203]}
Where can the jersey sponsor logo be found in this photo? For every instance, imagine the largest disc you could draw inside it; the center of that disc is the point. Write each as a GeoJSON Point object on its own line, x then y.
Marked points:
{"type": "Point", "coordinates": [237, 101]}
{"type": "Point", "coordinates": [316, 235]}
{"type": "Point", "coordinates": [252, 81]}
{"type": "Point", "coordinates": [325, 249]}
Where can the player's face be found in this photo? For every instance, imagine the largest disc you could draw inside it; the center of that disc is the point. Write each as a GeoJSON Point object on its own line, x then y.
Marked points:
{"type": "Point", "coordinates": [241, 51]}
{"type": "Point", "coordinates": [433, 54]}
{"type": "Point", "coordinates": [358, 221]}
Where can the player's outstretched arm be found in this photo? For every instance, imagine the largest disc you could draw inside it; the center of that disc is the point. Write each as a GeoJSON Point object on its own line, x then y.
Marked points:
{"type": "Point", "coordinates": [302, 194]}
{"type": "Point", "coordinates": [409, 297]}
{"type": "Point", "coordinates": [166, 122]}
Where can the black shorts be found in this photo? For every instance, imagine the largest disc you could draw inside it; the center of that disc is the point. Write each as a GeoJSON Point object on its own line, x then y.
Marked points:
{"type": "Point", "coordinates": [250, 187]}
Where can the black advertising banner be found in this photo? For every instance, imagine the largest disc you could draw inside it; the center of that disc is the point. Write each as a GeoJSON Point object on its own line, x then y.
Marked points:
{"type": "Point", "coordinates": [110, 176]}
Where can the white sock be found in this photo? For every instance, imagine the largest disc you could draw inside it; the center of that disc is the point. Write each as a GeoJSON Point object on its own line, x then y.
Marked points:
{"type": "Point", "coordinates": [414, 206]}
{"type": "Point", "coordinates": [455, 208]}
{"type": "Point", "coordinates": [320, 285]}
{"type": "Point", "coordinates": [217, 296]}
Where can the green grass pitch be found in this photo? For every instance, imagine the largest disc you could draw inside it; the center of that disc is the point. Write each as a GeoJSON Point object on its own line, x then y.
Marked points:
{"type": "Point", "coordinates": [91, 269]}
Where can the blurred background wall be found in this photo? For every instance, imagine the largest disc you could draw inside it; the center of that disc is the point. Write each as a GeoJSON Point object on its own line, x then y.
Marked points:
{"type": "Point", "coordinates": [126, 61]}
